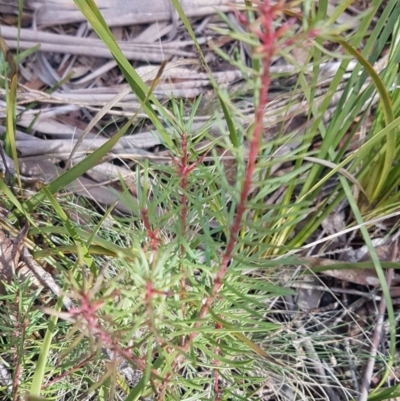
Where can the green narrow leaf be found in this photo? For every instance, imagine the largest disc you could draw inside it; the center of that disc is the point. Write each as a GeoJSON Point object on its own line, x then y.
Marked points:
{"type": "Point", "coordinates": [38, 376]}
{"type": "Point", "coordinates": [387, 110]}
{"type": "Point", "coordinates": [80, 245]}
{"type": "Point", "coordinates": [233, 135]}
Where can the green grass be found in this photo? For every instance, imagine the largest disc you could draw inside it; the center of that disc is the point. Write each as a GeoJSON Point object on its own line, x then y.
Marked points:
{"type": "Point", "coordinates": [186, 292]}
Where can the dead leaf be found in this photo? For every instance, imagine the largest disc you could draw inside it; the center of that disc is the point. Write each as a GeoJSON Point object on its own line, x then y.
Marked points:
{"type": "Point", "coordinates": [10, 252]}
{"type": "Point", "coordinates": [359, 276]}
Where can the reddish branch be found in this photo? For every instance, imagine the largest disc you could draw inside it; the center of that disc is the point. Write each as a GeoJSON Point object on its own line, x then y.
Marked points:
{"type": "Point", "coordinates": [267, 37]}
{"type": "Point", "coordinates": [87, 312]}
{"type": "Point", "coordinates": [184, 168]}
{"type": "Point", "coordinates": [151, 233]}
{"type": "Point", "coordinates": [72, 370]}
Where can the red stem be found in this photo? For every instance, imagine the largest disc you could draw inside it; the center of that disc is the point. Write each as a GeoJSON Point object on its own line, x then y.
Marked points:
{"type": "Point", "coordinates": [267, 38]}
{"type": "Point", "coordinates": [68, 372]}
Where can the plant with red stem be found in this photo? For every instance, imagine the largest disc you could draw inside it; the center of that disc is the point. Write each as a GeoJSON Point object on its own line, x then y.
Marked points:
{"type": "Point", "coordinates": [268, 37]}
{"type": "Point", "coordinates": [87, 320]}
{"type": "Point", "coordinates": [174, 303]}
{"type": "Point", "coordinates": [183, 168]}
